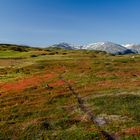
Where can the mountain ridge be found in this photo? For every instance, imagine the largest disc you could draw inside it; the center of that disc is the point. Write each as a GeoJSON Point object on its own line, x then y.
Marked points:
{"type": "Point", "coordinates": [109, 47]}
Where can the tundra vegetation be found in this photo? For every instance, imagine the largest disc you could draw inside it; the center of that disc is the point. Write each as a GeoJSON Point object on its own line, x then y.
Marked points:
{"type": "Point", "coordinates": [57, 94]}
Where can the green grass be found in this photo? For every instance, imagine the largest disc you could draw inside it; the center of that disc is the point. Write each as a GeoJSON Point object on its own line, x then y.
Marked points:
{"type": "Point", "coordinates": [13, 54]}
{"type": "Point", "coordinates": [124, 105]}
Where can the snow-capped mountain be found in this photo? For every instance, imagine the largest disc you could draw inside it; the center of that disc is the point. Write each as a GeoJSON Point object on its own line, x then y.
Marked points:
{"type": "Point", "coordinates": [67, 46]}
{"type": "Point", "coordinates": [108, 47]}
{"type": "Point", "coordinates": [134, 47]}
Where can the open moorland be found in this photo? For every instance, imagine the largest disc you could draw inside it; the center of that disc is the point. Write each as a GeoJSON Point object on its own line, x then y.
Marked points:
{"type": "Point", "coordinates": [57, 94]}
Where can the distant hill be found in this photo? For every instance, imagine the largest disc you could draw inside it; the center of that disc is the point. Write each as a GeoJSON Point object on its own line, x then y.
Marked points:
{"type": "Point", "coordinates": [14, 47]}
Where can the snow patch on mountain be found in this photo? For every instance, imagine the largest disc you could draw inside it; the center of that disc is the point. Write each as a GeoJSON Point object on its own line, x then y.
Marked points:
{"type": "Point", "coordinates": [128, 45]}
{"type": "Point", "coordinates": [134, 47]}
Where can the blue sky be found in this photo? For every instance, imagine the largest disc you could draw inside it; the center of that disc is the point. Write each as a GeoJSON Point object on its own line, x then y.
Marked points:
{"type": "Point", "coordinates": [44, 22]}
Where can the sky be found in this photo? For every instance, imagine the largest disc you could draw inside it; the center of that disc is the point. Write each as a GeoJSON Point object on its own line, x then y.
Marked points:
{"type": "Point", "coordinates": [46, 22]}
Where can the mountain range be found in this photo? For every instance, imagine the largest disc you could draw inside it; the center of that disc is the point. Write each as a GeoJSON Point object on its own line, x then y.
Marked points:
{"type": "Point", "coordinates": [108, 47]}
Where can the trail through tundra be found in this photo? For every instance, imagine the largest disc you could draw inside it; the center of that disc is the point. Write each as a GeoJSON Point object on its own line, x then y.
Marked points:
{"type": "Point", "coordinates": [87, 110]}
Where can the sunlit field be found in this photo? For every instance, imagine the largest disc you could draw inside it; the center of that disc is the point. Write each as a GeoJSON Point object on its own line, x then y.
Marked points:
{"type": "Point", "coordinates": [57, 94]}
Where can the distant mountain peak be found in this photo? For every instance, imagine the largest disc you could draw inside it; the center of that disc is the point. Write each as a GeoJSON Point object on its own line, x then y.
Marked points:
{"type": "Point", "coordinates": [67, 46]}
{"type": "Point", "coordinates": [108, 47]}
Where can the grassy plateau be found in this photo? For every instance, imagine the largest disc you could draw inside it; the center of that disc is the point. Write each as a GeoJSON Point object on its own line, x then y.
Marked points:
{"type": "Point", "coordinates": [56, 94]}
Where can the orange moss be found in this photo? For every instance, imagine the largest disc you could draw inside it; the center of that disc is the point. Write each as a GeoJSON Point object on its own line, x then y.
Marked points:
{"type": "Point", "coordinates": [132, 131]}
{"type": "Point", "coordinates": [22, 84]}
{"type": "Point", "coordinates": [57, 83]}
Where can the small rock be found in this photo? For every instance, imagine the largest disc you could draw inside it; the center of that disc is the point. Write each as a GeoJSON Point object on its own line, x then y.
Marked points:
{"type": "Point", "coordinates": [100, 121]}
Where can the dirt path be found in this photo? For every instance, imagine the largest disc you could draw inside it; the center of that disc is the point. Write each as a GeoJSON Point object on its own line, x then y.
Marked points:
{"type": "Point", "coordinates": [87, 111]}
